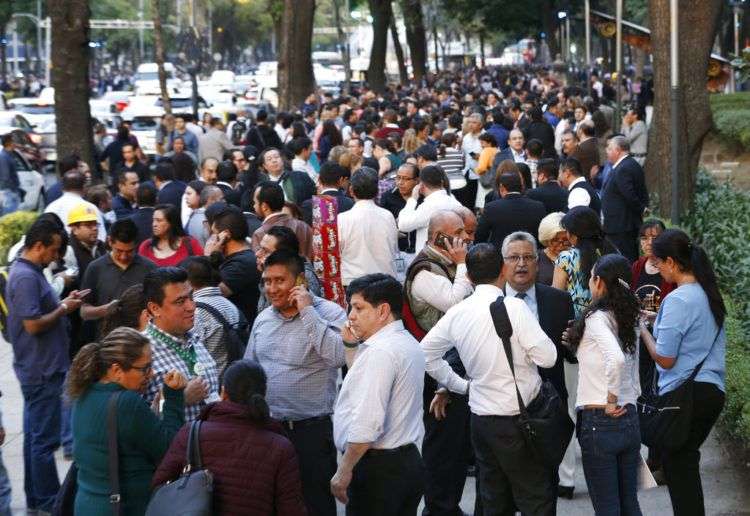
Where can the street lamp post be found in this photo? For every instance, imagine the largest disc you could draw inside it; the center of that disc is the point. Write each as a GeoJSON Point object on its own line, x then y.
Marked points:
{"type": "Point", "coordinates": [587, 14]}
{"type": "Point", "coordinates": [618, 64]}
{"type": "Point", "coordinates": [564, 50]}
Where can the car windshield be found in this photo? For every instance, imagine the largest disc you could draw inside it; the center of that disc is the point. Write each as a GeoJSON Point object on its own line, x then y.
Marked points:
{"type": "Point", "coordinates": [143, 124]}
{"type": "Point", "coordinates": [152, 76]}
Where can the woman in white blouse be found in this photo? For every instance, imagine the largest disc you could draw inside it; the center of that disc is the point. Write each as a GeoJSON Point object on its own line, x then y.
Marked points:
{"type": "Point", "coordinates": [604, 340]}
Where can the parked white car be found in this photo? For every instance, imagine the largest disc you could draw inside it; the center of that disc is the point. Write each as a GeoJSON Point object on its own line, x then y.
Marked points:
{"type": "Point", "coordinates": [32, 182]}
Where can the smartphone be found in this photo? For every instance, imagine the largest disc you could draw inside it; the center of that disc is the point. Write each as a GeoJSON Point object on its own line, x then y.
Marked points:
{"type": "Point", "coordinates": [301, 281]}
{"type": "Point", "coordinates": [442, 240]}
{"type": "Point", "coordinates": [83, 293]}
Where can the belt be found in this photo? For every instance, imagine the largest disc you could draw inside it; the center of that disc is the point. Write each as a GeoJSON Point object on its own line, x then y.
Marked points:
{"type": "Point", "coordinates": [391, 451]}
{"type": "Point", "coordinates": [300, 423]}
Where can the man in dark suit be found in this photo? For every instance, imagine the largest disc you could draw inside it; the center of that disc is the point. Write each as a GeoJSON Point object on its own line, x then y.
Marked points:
{"type": "Point", "coordinates": [624, 198]}
{"type": "Point", "coordinates": [329, 183]}
{"type": "Point", "coordinates": [549, 192]}
{"type": "Point", "coordinates": [553, 308]}
{"type": "Point", "coordinates": [170, 189]}
{"type": "Point", "coordinates": [143, 216]}
{"type": "Point", "coordinates": [587, 151]}
{"type": "Point", "coordinates": [514, 212]}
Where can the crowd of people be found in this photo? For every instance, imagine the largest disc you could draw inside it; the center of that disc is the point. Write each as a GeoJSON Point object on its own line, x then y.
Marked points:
{"type": "Point", "coordinates": [315, 289]}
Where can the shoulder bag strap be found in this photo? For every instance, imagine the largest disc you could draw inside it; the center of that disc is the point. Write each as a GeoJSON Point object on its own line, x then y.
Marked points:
{"type": "Point", "coordinates": [699, 366]}
{"type": "Point", "coordinates": [114, 456]}
{"type": "Point", "coordinates": [504, 330]}
{"type": "Point", "coordinates": [194, 461]}
{"type": "Point", "coordinates": [215, 313]}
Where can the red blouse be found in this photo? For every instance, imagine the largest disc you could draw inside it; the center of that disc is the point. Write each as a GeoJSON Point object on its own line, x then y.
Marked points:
{"type": "Point", "coordinates": [195, 249]}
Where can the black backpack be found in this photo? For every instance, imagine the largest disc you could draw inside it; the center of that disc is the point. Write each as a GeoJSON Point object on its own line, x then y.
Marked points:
{"type": "Point", "coordinates": [4, 303]}
{"type": "Point", "coordinates": [238, 131]}
{"type": "Point", "coordinates": [235, 335]}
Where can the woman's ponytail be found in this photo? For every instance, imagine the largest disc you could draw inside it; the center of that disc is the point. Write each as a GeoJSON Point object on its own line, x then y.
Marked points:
{"type": "Point", "coordinates": [258, 408]}
{"type": "Point", "coordinates": [706, 277]}
{"type": "Point", "coordinates": [85, 370]}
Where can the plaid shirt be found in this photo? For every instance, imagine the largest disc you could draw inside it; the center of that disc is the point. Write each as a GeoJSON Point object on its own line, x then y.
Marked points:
{"type": "Point", "coordinates": [164, 359]}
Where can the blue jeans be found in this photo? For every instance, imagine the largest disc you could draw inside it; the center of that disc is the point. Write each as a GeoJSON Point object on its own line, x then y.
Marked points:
{"type": "Point", "coordinates": [41, 437]}
{"type": "Point", "coordinates": [610, 449]}
{"type": "Point", "coordinates": [4, 489]}
{"type": "Point", "coordinates": [9, 201]}
{"type": "Point", "coordinates": [66, 430]}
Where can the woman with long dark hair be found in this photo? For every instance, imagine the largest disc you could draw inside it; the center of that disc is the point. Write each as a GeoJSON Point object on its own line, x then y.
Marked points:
{"type": "Point", "coordinates": [253, 464]}
{"type": "Point", "coordinates": [129, 311]}
{"type": "Point", "coordinates": [573, 266]}
{"type": "Point", "coordinates": [119, 363]}
{"type": "Point", "coordinates": [604, 340]}
{"type": "Point", "coordinates": [329, 138]}
{"type": "Point", "coordinates": [688, 329]}
{"type": "Point", "coordinates": [169, 245]}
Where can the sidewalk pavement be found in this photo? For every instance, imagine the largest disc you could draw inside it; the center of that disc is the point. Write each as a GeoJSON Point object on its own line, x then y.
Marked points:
{"type": "Point", "coordinates": [727, 491]}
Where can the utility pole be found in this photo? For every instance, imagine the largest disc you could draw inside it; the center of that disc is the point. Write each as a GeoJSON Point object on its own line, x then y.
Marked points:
{"type": "Point", "coordinates": [618, 64]}
{"type": "Point", "coordinates": [737, 8]}
{"type": "Point", "coordinates": [140, 29]}
{"type": "Point", "coordinates": [587, 14]}
{"type": "Point", "coordinates": [39, 51]}
{"type": "Point", "coordinates": [674, 82]}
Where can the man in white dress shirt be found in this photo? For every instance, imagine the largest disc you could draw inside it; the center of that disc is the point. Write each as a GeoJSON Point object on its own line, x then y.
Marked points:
{"type": "Point", "coordinates": [510, 474]}
{"type": "Point", "coordinates": [436, 198]}
{"type": "Point", "coordinates": [368, 236]}
{"type": "Point", "coordinates": [377, 422]}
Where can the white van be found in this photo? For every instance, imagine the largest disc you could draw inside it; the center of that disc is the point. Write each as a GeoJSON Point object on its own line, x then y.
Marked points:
{"type": "Point", "coordinates": [147, 77]}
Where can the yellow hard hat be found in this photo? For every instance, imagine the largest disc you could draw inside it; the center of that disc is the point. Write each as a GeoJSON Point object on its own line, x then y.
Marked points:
{"type": "Point", "coordinates": [82, 213]}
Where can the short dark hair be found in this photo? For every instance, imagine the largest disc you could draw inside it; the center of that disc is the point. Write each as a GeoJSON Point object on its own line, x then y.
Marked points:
{"type": "Point", "coordinates": [226, 171]}
{"type": "Point", "coordinates": [272, 194]}
{"type": "Point", "coordinates": [364, 183]}
{"type": "Point", "coordinates": [299, 144]}
{"type": "Point", "coordinates": [548, 166]}
{"type": "Point", "coordinates": [487, 137]}
{"type": "Point", "coordinates": [432, 176]}
{"type": "Point", "coordinates": [145, 196]}
{"type": "Point", "coordinates": [330, 173]}
{"type": "Point", "coordinates": [123, 230]}
{"type": "Point", "coordinates": [201, 272]}
{"type": "Point", "coordinates": [285, 238]}
{"type": "Point", "coordinates": [43, 231]}
{"type": "Point", "coordinates": [573, 166]}
{"type": "Point", "coordinates": [426, 151]}
{"type": "Point", "coordinates": [6, 139]}
{"type": "Point", "coordinates": [534, 147]}
{"type": "Point", "coordinates": [69, 162]}
{"type": "Point", "coordinates": [73, 180]}
{"type": "Point", "coordinates": [232, 220]}
{"type": "Point", "coordinates": [156, 279]}
{"type": "Point", "coordinates": [483, 264]}
{"type": "Point", "coordinates": [164, 171]}
{"type": "Point", "coordinates": [377, 289]}
{"type": "Point", "coordinates": [292, 261]}
{"type": "Point", "coordinates": [652, 223]}
{"type": "Point", "coordinates": [511, 181]}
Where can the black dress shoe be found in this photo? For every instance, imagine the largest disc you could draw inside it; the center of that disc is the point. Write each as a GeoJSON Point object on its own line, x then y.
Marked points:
{"type": "Point", "coordinates": [565, 492]}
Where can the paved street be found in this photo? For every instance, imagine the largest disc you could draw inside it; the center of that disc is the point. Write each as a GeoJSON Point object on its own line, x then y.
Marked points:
{"type": "Point", "coordinates": [726, 492]}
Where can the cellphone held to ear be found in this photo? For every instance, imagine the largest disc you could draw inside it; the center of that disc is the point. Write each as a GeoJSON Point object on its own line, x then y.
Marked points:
{"type": "Point", "coordinates": [442, 240]}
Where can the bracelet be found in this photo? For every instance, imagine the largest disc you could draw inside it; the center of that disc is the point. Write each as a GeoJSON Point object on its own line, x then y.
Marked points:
{"type": "Point", "coordinates": [65, 307]}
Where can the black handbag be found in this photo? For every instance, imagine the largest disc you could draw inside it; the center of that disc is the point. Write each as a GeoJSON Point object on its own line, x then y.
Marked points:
{"type": "Point", "coordinates": [65, 500]}
{"type": "Point", "coordinates": [665, 419]}
{"type": "Point", "coordinates": [545, 423]}
{"type": "Point", "coordinates": [192, 493]}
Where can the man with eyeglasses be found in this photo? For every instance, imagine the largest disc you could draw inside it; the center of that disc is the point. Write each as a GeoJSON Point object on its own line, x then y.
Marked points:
{"type": "Point", "coordinates": [110, 275]}
{"type": "Point", "coordinates": [394, 201]}
{"type": "Point", "coordinates": [553, 309]}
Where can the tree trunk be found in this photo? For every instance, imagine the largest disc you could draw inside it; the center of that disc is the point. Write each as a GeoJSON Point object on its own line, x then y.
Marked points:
{"type": "Point", "coordinates": [344, 44]}
{"type": "Point", "coordinates": [380, 10]}
{"type": "Point", "coordinates": [159, 55]}
{"type": "Point", "coordinates": [403, 73]}
{"type": "Point", "coordinates": [416, 37]}
{"type": "Point", "coordinates": [295, 71]}
{"type": "Point", "coordinates": [70, 77]}
{"type": "Point", "coordinates": [435, 41]}
{"type": "Point", "coordinates": [697, 28]}
{"type": "Point", "coordinates": [3, 56]}
{"type": "Point", "coordinates": [481, 47]}
{"type": "Point", "coordinates": [549, 24]}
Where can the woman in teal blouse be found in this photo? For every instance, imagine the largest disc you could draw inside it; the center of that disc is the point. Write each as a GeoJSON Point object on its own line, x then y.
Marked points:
{"type": "Point", "coordinates": [121, 362]}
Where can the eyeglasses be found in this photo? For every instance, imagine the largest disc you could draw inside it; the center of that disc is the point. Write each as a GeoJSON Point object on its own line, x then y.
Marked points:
{"type": "Point", "coordinates": [516, 258]}
{"type": "Point", "coordinates": [143, 369]}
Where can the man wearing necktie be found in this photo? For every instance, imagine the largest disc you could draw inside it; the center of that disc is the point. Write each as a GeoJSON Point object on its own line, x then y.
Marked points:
{"type": "Point", "coordinates": [553, 309]}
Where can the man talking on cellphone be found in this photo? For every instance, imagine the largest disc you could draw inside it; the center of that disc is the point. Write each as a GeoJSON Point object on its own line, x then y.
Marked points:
{"type": "Point", "coordinates": [435, 281]}
{"type": "Point", "coordinates": [238, 268]}
{"type": "Point", "coordinates": [301, 341]}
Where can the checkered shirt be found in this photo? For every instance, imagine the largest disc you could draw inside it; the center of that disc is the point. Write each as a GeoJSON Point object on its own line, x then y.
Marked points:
{"type": "Point", "coordinates": [164, 359]}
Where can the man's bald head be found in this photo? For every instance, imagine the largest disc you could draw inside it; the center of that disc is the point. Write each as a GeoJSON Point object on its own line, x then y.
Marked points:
{"type": "Point", "coordinates": [445, 221]}
{"type": "Point", "coordinates": [470, 221]}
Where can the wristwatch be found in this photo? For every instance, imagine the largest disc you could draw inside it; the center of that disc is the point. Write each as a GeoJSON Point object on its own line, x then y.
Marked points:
{"type": "Point", "coordinates": [350, 345]}
{"type": "Point", "coordinates": [65, 307]}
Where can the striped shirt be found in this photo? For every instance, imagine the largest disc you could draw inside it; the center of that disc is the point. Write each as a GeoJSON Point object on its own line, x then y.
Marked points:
{"type": "Point", "coordinates": [453, 164]}
{"type": "Point", "coordinates": [301, 356]}
{"type": "Point", "coordinates": [209, 329]}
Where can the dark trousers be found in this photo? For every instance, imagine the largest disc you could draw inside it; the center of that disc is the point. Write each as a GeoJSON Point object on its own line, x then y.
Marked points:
{"type": "Point", "coordinates": [611, 455]}
{"type": "Point", "coordinates": [468, 194]}
{"type": "Point", "coordinates": [41, 437]}
{"type": "Point", "coordinates": [316, 454]}
{"type": "Point", "coordinates": [626, 243]}
{"type": "Point", "coordinates": [682, 467]}
{"type": "Point", "coordinates": [387, 483]}
{"type": "Point", "coordinates": [446, 450]}
{"type": "Point", "coordinates": [508, 470]}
